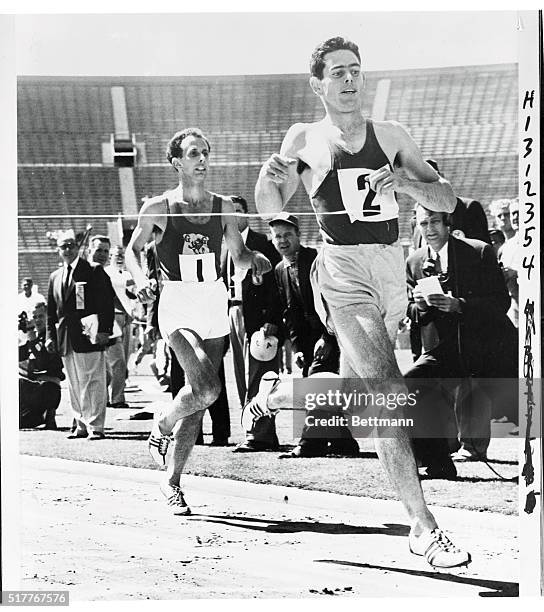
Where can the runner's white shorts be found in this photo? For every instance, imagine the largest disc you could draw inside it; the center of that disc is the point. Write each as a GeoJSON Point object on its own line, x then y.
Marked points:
{"type": "Point", "coordinates": [345, 275]}
{"type": "Point", "coordinates": [200, 307]}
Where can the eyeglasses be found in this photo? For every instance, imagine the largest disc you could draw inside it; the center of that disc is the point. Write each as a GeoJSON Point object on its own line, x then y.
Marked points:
{"type": "Point", "coordinates": [67, 245]}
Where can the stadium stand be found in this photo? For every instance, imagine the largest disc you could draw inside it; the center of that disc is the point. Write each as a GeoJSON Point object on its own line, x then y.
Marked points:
{"type": "Point", "coordinates": [463, 117]}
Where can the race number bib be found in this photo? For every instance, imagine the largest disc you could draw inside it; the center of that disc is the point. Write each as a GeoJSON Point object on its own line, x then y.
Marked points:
{"type": "Point", "coordinates": [196, 263]}
{"type": "Point", "coordinates": [197, 268]}
{"type": "Point", "coordinates": [361, 202]}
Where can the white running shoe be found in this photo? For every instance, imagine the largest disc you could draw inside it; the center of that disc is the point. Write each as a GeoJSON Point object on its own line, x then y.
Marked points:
{"type": "Point", "coordinates": [256, 408]}
{"type": "Point", "coordinates": [175, 499]}
{"type": "Point", "coordinates": [438, 549]}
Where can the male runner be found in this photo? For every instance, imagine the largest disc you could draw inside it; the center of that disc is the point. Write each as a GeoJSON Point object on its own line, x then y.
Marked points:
{"type": "Point", "coordinates": [188, 224]}
{"type": "Point", "coordinates": [351, 168]}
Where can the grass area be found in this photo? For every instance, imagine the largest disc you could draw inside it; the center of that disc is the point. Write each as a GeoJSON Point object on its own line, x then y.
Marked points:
{"type": "Point", "coordinates": [477, 488]}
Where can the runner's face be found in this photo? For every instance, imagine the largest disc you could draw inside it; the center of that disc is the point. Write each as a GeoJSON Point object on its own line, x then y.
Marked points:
{"type": "Point", "coordinates": [195, 160]}
{"type": "Point", "coordinates": [432, 227]}
{"type": "Point", "coordinates": [343, 82]}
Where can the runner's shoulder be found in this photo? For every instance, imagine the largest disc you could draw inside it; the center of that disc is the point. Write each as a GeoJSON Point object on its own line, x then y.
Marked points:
{"type": "Point", "coordinates": [156, 205]}
{"type": "Point", "coordinates": [390, 128]}
{"type": "Point", "coordinates": [296, 138]}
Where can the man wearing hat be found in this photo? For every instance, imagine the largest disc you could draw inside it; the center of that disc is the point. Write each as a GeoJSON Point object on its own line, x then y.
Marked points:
{"type": "Point", "coordinates": [315, 350]}
{"type": "Point", "coordinates": [80, 290]}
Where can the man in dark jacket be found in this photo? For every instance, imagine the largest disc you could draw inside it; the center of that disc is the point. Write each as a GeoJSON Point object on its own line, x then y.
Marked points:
{"type": "Point", "coordinates": [465, 331]}
{"type": "Point", "coordinates": [79, 325]}
{"type": "Point", "coordinates": [315, 350]}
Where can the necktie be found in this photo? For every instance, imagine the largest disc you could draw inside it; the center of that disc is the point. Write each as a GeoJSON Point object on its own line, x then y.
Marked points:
{"type": "Point", "coordinates": [438, 264]}
{"type": "Point", "coordinates": [293, 275]}
{"type": "Point", "coordinates": [66, 280]}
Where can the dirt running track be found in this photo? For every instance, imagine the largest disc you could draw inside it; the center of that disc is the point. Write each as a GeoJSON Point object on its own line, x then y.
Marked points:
{"type": "Point", "coordinates": [104, 533]}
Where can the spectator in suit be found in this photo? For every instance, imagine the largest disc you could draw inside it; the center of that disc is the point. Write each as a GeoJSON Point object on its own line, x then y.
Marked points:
{"type": "Point", "coordinates": [465, 333]}
{"type": "Point", "coordinates": [76, 290]}
{"type": "Point", "coordinates": [252, 308]}
{"type": "Point", "coordinates": [315, 350]}
{"type": "Point", "coordinates": [40, 373]}
{"type": "Point", "coordinates": [468, 220]}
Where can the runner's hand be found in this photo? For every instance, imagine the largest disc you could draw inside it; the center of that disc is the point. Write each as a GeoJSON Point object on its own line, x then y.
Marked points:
{"type": "Point", "coordinates": [146, 293]}
{"type": "Point", "coordinates": [384, 181]}
{"type": "Point", "coordinates": [259, 265]}
{"type": "Point", "coordinates": [276, 168]}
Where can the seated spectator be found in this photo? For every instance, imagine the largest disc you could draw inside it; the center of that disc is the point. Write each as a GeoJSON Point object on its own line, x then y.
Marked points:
{"type": "Point", "coordinates": [465, 333]}
{"type": "Point", "coordinates": [40, 373]}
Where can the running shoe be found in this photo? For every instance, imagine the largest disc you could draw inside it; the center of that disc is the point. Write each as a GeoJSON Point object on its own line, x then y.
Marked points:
{"type": "Point", "coordinates": [175, 499]}
{"type": "Point", "coordinates": [158, 444]}
{"type": "Point", "coordinates": [438, 549]}
{"type": "Point", "coordinates": [256, 408]}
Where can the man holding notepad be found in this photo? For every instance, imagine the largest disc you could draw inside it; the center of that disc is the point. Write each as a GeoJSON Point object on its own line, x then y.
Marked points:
{"type": "Point", "coordinates": [458, 297]}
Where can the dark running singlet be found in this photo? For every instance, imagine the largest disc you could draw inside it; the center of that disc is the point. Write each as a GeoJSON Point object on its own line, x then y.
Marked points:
{"type": "Point", "coordinates": [370, 219]}
{"type": "Point", "coordinates": [188, 251]}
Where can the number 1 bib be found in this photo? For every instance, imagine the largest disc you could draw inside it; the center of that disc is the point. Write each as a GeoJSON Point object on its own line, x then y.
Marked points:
{"type": "Point", "coordinates": [361, 202]}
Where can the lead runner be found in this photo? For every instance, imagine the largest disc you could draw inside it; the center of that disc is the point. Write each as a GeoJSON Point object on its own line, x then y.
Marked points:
{"type": "Point", "coordinates": [351, 167]}
{"type": "Point", "coordinates": [187, 225]}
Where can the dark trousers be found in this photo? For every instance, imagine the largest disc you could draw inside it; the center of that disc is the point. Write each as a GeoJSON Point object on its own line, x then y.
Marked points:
{"type": "Point", "coordinates": [316, 439]}
{"type": "Point", "coordinates": [264, 429]}
{"type": "Point", "coordinates": [38, 401]}
{"type": "Point", "coordinates": [219, 410]}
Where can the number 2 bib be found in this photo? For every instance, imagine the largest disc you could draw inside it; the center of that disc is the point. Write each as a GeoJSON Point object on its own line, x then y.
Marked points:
{"type": "Point", "coordinates": [361, 202]}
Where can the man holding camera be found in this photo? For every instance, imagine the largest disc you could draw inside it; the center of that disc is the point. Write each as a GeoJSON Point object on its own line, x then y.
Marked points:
{"type": "Point", "coordinates": [40, 373]}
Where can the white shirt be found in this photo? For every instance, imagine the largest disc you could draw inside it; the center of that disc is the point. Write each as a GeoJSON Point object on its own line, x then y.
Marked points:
{"type": "Point", "coordinates": [509, 253]}
{"type": "Point", "coordinates": [120, 279]}
{"type": "Point", "coordinates": [239, 273]}
{"type": "Point", "coordinates": [27, 304]}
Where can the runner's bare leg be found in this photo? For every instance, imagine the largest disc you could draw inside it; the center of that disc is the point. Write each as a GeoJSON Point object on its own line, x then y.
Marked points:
{"type": "Point", "coordinates": [366, 352]}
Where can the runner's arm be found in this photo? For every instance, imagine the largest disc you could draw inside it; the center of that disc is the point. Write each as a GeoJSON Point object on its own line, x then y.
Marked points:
{"type": "Point", "coordinates": [278, 179]}
{"type": "Point", "coordinates": [413, 176]}
{"type": "Point", "coordinates": [149, 217]}
{"type": "Point", "coordinates": [242, 256]}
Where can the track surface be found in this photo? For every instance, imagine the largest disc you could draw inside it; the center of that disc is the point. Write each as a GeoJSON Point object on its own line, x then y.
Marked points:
{"type": "Point", "coordinates": [104, 533]}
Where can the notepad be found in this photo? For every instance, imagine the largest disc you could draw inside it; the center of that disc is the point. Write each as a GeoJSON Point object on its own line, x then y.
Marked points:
{"type": "Point", "coordinates": [430, 285]}
{"type": "Point", "coordinates": [90, 328]}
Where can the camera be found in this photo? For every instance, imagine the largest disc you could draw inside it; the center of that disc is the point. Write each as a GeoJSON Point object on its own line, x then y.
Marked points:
{"type": "Point", "coordinates": [23, 322]}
